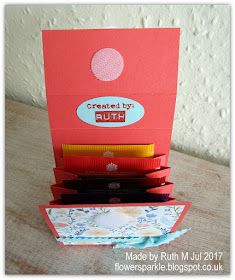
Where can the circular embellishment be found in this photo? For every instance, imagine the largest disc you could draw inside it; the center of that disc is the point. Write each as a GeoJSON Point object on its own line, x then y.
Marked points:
{"type": "Point", "coordinates": [110, 220]}
{"type": "Point", "coordinates": [107, 64]}
{"type": "Point", "coordinates": [114, 186]}
{"type": "Point", "coordinates": [111, 167]}
{"type": "Point", "coordinates": [114, 200]}
{"type": "Point", "coordinates": [108, 154]}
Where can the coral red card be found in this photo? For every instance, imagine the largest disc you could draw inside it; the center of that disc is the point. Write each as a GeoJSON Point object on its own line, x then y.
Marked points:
{"type": "Point", "coordinates": [111, 86]}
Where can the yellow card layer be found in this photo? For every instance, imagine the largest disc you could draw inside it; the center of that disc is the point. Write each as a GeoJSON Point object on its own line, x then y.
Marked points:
{"type": "Point", "coordinates": [109, 150]}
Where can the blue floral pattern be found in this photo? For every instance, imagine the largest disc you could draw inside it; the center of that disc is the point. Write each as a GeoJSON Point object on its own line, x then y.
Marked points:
{"type": "Point", "coordinates": [140, 221]}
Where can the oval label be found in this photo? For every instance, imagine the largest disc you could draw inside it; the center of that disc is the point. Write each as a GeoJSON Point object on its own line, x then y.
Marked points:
{"type": "Point", "coordinates": [110, 111]}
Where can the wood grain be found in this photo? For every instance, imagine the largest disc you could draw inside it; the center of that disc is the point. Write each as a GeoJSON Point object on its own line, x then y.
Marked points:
{"type": "Point", "coordinates": [30, 246]}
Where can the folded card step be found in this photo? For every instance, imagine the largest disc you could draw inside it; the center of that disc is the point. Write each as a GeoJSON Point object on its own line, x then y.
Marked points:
{"type": "Point", "coordinates": [59, 189]}
{"type": "Point", "coordinates": [162, 174]}
{"type": "Point", "coordinates": [143, 151]}
{"type": "Point", "coordinates": [110, 198]}
{"type": "Point", "coordinates": [104, 164]}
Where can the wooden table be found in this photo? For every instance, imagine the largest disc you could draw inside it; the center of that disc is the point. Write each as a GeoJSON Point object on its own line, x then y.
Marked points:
{"type": "Point", "coordinates": [30, 246]}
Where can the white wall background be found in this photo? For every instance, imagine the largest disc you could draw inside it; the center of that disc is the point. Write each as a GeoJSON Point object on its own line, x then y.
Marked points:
{"type": "Point", "coordinates": [202, 117]}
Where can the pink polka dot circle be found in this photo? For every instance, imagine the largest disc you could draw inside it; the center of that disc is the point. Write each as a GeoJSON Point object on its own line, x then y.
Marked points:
{"type": "Point", "coordinates": [107, 64]}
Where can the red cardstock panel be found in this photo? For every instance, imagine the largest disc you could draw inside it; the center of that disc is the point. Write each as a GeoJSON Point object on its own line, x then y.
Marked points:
{"type": "Point", "coordinates": [101, 164]}
{"type": "Point", "coordinates": [150, 61]}
{"type": "Point", "coordinates": [159, 112]}
{"type": "Point", "coordinates": [149, 77]}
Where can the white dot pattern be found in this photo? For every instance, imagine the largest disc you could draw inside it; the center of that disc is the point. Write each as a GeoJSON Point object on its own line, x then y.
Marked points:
{"type": "Point", "coordinates": [107, 64]}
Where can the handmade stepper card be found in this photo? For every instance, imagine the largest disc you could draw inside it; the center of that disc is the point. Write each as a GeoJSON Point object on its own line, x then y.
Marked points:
{"type": "Point", "coordinates": [111, 97]}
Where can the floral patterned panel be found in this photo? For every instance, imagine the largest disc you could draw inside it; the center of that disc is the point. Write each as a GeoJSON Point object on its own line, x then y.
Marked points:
{"type": "Point", "coordinates": [114, 221]}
